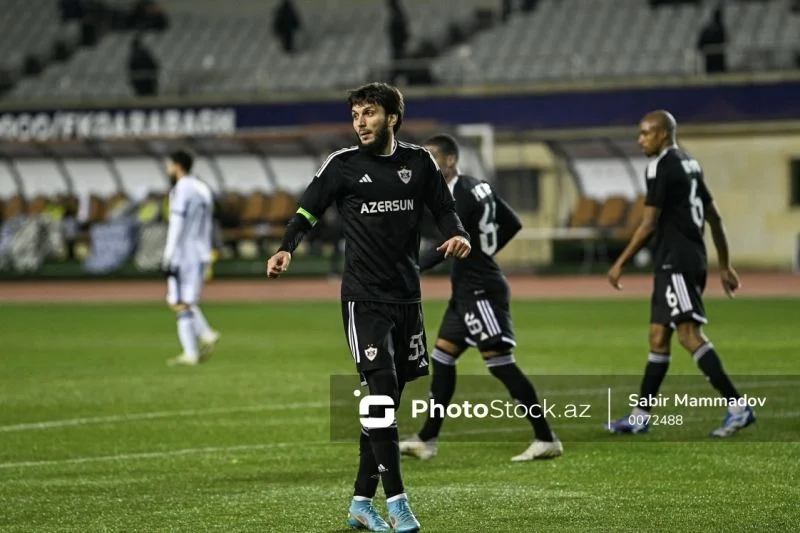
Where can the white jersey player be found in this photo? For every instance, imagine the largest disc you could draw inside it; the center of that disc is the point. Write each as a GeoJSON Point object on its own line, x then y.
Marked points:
{"type": "Point", "coordinates": [187, 254]}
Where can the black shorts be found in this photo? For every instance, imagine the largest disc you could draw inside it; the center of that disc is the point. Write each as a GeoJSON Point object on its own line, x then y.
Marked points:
{"type": "Point", "coordinates": [678, 297]}
{"type": "Point", "coordinates": [484, 324]}
{"type": "Point", "coordinates": [387, 335]}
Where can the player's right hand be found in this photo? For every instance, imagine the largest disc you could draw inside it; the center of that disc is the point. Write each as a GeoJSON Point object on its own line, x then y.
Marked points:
{"type": "Point", "coordinates": [458, 247]}
{"type": "Point", "coordinates": [730, 281]}
{"type": "Point", "coordinates": [278, 264]}
{"type": "Point", "coordinates": [614, 275]}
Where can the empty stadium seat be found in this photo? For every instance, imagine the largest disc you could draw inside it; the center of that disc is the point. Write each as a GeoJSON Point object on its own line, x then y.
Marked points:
{"type": "Point", "coordinates": [38, 205]}
{"type": "Point", "coordinates": [612, 213]}
{"type": "Point", "coordinates": [632, 220]}
{"type": "Point", "coordinates": [253, 216]}
{"type": "Point", "coordinates": [585, 213]}
{"type": "Point", "coordinates": [210, 48]}
{"type": "Point", "coordinates": [282, 207]}
{"type": "Point", "coordinates": [16, 205]}
{"type": "Point", "coordinates": [27, 27]}
{"type": "Point", "coordinates": [568, 39]}
{"type": "Point", "coordinates": [231, 202]}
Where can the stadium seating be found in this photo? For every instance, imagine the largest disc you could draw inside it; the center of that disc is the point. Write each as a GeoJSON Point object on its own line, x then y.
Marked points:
{"type": "Point", "coordinates": [209, 49]}
{"type": "Point", "coordinates": [585, 213]}
{"type": "Point", "coordinates": [14, 206]}
{"type": "Point", "coordinates": [632, 220]}
{"type": "Point", "coordinates": [608, 179]}
{"type": "Point", "coordinates": [612, 214]}
{"type": "Point", "coordinates": [82, 185]}
{"type": "Point", "coordinates": [30, 28]}
{"type": "Point", "coordinates": [573, 39]}
{"type": "Point", "coordinates": [616, 217]}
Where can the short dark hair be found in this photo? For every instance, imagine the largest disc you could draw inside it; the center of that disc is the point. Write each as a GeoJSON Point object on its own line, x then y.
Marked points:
{"type": "Point", "coordinates": [663, 120]}
{"type": "Point", "coordinates": [387, 96]}
{"type": "Point", "coordinates": [444, 143]}
{"type": "Point", "coordinates": [183, 159]}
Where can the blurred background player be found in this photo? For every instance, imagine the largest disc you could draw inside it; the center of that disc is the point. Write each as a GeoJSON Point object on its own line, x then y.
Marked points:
{"type": "Point", "coordinates": [187, 255]}
{"type": "Point", "coordinates": [677, 206]}
{"type": "Point", "coordinates": [381, 187]}
{"type": "Point", "coordinates": [478, 313]}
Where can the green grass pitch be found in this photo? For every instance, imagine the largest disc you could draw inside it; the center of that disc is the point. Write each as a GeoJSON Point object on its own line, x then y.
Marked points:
{"type": "Point", "coordinates": [98, 434]}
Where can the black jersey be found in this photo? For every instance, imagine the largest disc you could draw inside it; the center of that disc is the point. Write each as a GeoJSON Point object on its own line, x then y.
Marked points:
{"type": "Point", "coordinates": [675, 185]}
{"type": "Point", "coordinates": [381, 201]}
{"type": "Point", "coordinates": [492, 223]}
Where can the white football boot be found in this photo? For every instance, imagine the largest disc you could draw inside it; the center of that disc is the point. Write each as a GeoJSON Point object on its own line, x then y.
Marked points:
{"type": "Point", "coordinates": [417, 448]}
{"type": "Point", "coordinates": [540, 449]}
{"type": "Point", "coordinates": [207, 344]}
{"type": "Point", "coordinates": [183, 360]}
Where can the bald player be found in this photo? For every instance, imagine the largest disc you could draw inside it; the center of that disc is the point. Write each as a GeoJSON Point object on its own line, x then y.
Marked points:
{"type": "Point", "coordinates": [678, 205]}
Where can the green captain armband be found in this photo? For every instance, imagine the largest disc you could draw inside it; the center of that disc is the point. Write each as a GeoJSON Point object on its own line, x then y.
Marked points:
{"type": "Point", "coordinates": [308, 216]}
{"type": "Point", "coordinates": [296, 229]}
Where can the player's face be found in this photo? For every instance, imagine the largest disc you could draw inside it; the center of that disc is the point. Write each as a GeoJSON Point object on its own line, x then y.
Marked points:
{"type": "Point", "coordinates": [651, 138]}
{"type": "Point", "coordinates": [372, 126]}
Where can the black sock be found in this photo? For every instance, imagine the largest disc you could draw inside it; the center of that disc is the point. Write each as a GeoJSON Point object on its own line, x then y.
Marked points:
{"type": "Point", "coordinates": [385, 442]}
{"type": "Point", "coordinates": [654, 374]}
{"type": "Point", "coordinates": [386, 447]}
{"type": "Point", "coordinates": [443, 385]}
{"type": "Point", "coordinates": [504, 368]}
{"type": "Point", "coordinates": [711, 365]}
{"type": "Point", "coordinates": [367, 478]}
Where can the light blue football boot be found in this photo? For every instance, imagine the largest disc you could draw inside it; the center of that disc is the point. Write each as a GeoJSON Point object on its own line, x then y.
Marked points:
{"type": "Point", "coordinates": [402, 517]}
{"type": "Point", "coordinates": [362, 515]}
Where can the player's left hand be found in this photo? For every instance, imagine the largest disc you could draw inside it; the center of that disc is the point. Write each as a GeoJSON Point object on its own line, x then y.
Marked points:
{"type": "Point", "coordinates": [614, 275]}
{"type": "Point", "coordinates": [730, 281]}
{"type": "Point", "coordinates": [457, 247]}
{"type": "Point", "coordinates": [208, 273]}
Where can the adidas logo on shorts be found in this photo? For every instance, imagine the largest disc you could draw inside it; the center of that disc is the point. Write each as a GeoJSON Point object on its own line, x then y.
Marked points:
{"type": "Point", "coordinates": [365, 179]}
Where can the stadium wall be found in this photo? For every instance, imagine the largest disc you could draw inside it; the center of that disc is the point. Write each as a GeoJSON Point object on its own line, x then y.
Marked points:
{"type": "Point", "coordinates": [749, 175]}
{"type": "Point", "coordinates": [700, 101]}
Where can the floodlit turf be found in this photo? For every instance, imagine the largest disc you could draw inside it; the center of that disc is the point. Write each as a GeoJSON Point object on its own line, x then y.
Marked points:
{"type": "Point", "coordinates": [97, 434]}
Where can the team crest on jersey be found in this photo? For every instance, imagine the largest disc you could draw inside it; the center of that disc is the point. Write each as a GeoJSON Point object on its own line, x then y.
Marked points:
{"type": "Point", "coordinates": [371, 352]}
{"type": "Point", "coordinates": [405, 175]}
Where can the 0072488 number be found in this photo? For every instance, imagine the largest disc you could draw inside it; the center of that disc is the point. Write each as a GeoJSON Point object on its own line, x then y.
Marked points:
{"type": "Point", "coordinates": [656, 420]}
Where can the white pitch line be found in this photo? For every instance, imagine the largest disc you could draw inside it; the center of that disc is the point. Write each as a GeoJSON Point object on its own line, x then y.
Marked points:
{"type": "Point", "coordinates": [157, 455]}
{"type": "Point", "coordinates": [155, 415]}
{"type": "Point", "coordinates": [110, 419]}
{"type": "Point", "coordinates": [265, 446]}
